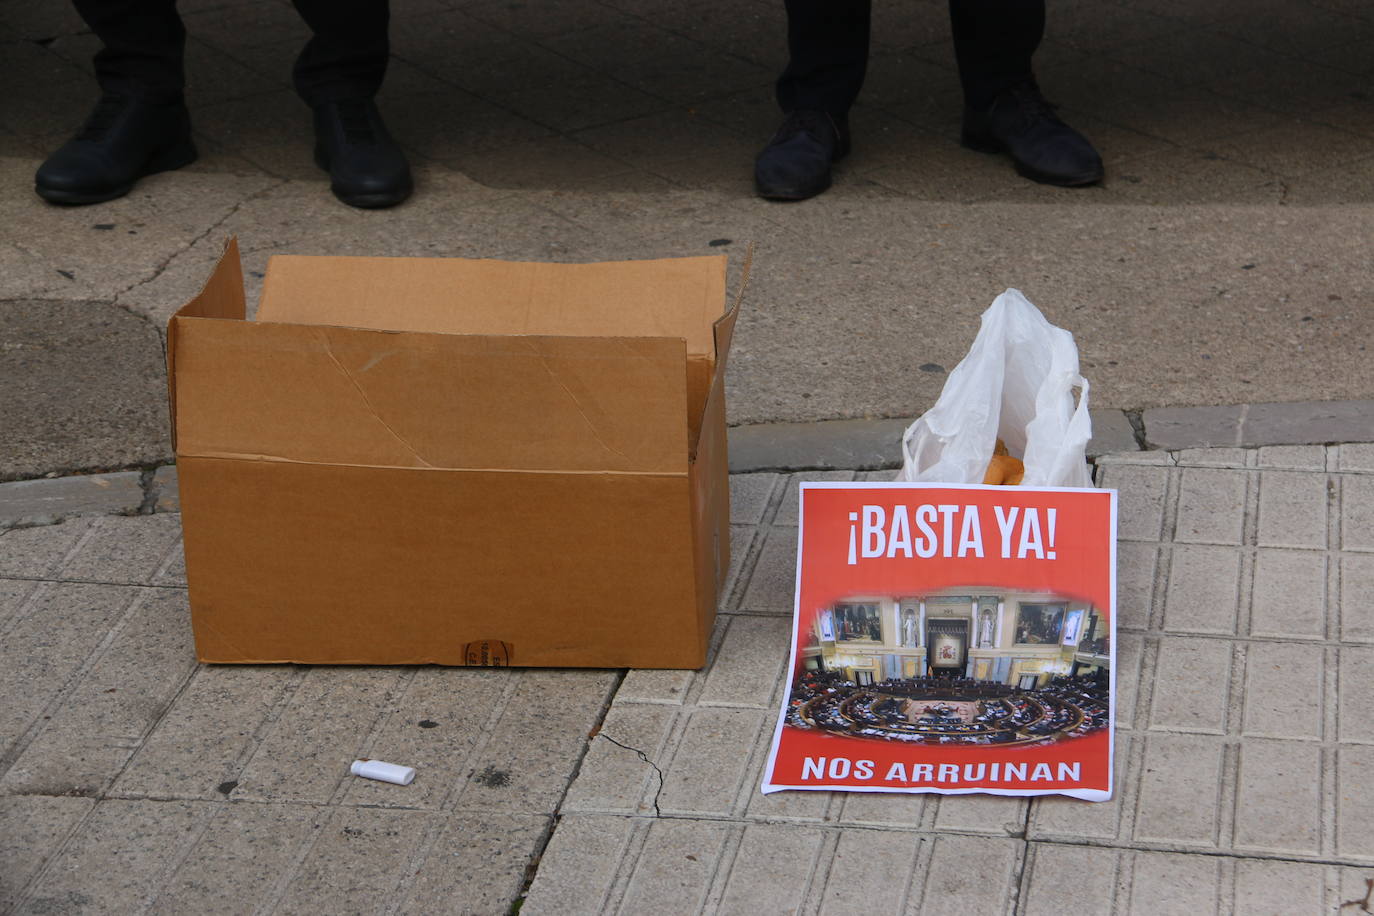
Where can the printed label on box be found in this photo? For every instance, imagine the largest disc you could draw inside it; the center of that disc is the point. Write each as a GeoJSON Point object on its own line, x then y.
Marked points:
{"type": "Point", "coordinates": [487, 653]}
{"type": "Point", "coordinates": [951, 639]}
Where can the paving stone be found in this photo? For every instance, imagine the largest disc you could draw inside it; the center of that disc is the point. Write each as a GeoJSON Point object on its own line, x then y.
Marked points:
{"type": "Point", "coordinates": [1356, 456]}
{"type": "Point", "coordinates": [1302, 422]}
{"type": "Point", "coordinates": [613, 778]}
{"type": "Point", "coordinates": [879, 809]}
{"type": "Point", "coordinates": [1173, 883]}
{"type": "Point", "coordinates": [304, 756]}
{"type": "Point", "coordinates": [749, 497]}
{"type": "Point", "coordinates": [1063, 877]}
{"type": "Point", "coordinates": [787, 509]}
{"type": "Point", "coordinates": [1283, 690]}
{"type": "Point", "coordinates": [89, 740]}
{"type": "Point", "coordinates": [1357, 513]}
{"type": "Point", "coordinates": [1357, 599]}
{"type": "Point", "coordinates": [1268, 886]}
{"type": "Point", "coordinates": [1233, 458]}
{"type": "Point", "coordinates": [1135, 583]}
{"type": "Point", "coordinates": [704, 775]}
{"type": "Point", "coordinates": [435, 727]}
{"type": "Point", "coordinates": [829, 444]}
{"type": "Point", "coordinates": [1191, 427]}
{"type": "Point", "coordinates": [1278, 798]}
{"type": "Point", "coordinates": [675, 867]}
{"type": "Point", "coordinates": [1112, 434]}
{"type": "Point", "coordinates": [199, 747]}
{"type": "Point", "coordinates": [1180, 790]}
{"type": "Point", "coordinates": [748, 665]}
{"type": "Point", "coordinates": [579, 866]}
{"type": "Point", "coordinates": [1292, 510]}
{"type": "Point", "coordinates": [798, 807]}
{"type": "Point", "coordinates": [772, 585]}
{"type": "Point", "coordinates": [32, 829]}
{"type": "Point", "coordinates": [951, 887]}
{"type": "Point", "coordinates": [35, 553]}
{"type": "Point", "coordinates": [119, 858]}
{"type": "Point", "coordinates": [477, 864]}
{"type": "Point", "coordinates": [1354, 802]}
{"type": "Point", "coordinates": [1190, 685]}
{"type": "Point", "coordinates": [1289, 597]}
{"type": "Point", "coordinates": [1211, 506]}
{"type": "Point", "coordinates": [358, 862]}
{"type": "Point", "coordinates": [1140, 510]}
{"type": "Point", "coordinates": [43, 650]}
{"type": "Point", "coordinates": [642, 685]}
{"type": "Point", "coordinates": [244, 853]}
{"type": "Point", "coordinates": [130, 550]}
{"type": "Point", "coordinates": [1201, 596]}
{"type": "Point", "coordinates": [772, 869]}
{"type": "Point", "coordinates": [868, 872]}
{"type": "Point", "coordinates": [165, 490]}
{"type": "Point", "coordinates": [1355, 669]}
{"type": "Point", "coordinates": [542, 734]}
{"type": "Point", "coordinates": [1129, 649]}
{"type": "Point", "coordinates": [41, 502]}
{"type": "Point", "coordinates": [1295, 457]}
{"type": "Point", "coordinates": [1056, 817]}
{"type": "Point", "coordinates": [987, 814]}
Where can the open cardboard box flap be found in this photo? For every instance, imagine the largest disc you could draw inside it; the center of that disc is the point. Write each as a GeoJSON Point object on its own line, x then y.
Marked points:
{"type": "Point", "coordinates": [450, 363]}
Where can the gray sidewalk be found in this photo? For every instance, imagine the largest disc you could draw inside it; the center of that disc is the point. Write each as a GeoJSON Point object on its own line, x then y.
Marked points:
{"type": "Point", "coordinates": [135, 780]}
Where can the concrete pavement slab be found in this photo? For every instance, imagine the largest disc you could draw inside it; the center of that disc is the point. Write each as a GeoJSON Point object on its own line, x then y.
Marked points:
{"type": "Point", "coordinates": [44, 501]}
{"type": "Point", "coordinates": [32, 829]}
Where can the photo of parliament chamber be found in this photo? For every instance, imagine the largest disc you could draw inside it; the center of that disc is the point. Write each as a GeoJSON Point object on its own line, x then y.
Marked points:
{"type": "Point", "coordinates": [969, 669]}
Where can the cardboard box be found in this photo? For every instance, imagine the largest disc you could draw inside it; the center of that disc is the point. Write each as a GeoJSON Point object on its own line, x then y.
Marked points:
{"type": "Point", "coordinates": [411, 460]}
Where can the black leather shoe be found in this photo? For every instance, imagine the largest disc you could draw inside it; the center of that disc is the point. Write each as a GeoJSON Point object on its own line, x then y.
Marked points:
{"type": "Point", "coordinates": [796, 163]}
{"type": "Point", "coordinates": [366, 168]}
{"type": "Point", "coordinates": [1044, 148]}
{"type": "Point", "coordinates": [124, 139]}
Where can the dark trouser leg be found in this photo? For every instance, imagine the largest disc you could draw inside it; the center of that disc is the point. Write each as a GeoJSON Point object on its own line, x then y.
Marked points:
{"type": "Point", "coordinates": [994, 41]}
{"type": "Point", "coordinates": [144, 47]}
{"type": "Point", "coordinates": [827, 41]}
{"type": "Point", "coordinates": [346, 58]}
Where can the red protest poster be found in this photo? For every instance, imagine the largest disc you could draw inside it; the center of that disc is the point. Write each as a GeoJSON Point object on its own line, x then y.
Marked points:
{"type": "Point", "coordinates": [951, 639]}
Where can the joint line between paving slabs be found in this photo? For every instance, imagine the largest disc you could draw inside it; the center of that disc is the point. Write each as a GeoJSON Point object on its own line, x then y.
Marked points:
{"type": "Point", "coordinates": [195, 670]}
{"type": "Point", "coordinates": [456, 791]}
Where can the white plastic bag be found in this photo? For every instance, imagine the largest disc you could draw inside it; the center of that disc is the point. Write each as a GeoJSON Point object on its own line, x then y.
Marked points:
{"type": "Point", "coordinates": [1016, 383]}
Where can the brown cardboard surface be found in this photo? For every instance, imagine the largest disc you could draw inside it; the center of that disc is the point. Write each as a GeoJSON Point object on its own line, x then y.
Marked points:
{"type": "Point", "coordinates": [674, 297]}
{"type": "Point", "coordinates": [455, 462]}
{"type": "Point", "coordinates": [324, 564]}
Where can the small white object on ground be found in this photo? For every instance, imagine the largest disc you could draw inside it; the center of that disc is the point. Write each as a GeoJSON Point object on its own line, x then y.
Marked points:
{"type": "Point", "coordinates": [386, 772]}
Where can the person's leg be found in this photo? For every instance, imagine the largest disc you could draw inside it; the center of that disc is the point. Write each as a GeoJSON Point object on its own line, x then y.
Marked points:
{"type": "Point", "coordinates": [338, 74]}
{"type": "Point", "coordinates": [994, 42]}
{"type": "Point", "coordinates": [140, 125]}
{"type": "Point", "coordinates": [827, 42]}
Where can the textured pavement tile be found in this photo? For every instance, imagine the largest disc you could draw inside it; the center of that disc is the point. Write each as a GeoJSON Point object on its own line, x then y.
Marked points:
{"type": "Point", "coordinates": [642, 685]}
{"type": "Point", "coordinates": [799, 807]}
{"type": "Point", "coordinates": [748, 665]}
{"type": "Point", "coordinates": [773, 583]}
{"type": "Point", "coordinates": [869, 872]}
{"type": "Point", "coordinates": [537, 741]}
{"type": "Point", "coordinates": [1180, 789]}
{"type": "Point", "coordinates": [477, 865]}
{"type": "Point", "coordinates": [1356, 693]}
{"type": "Point", "coordinates": [435, 727]}
{"type": "Point", "coordinates": [1129, 650]}
{"type": "Point", "coordinates": [304, 757]}
{"type": "Point", "coordinates": [1165, 884]}
{"type": "Point", "coordinates": [128, 550]}
{"type": "Point", "coordinates": [1294, 457]}
{"type": "Point", "coordinates": [1190, 685]}
{"type": "Point", "coordinates": [1056, 817]}
{"type": "Point", "coordinates": [244, 853]}
{"type": "Point", "coordinates": [93, 735]}
{"type": "Point", "coordinates": [37, 552]}
{"type": "Point", "coordinates": [578, 866]}
{"type": "Point", "coordinates": [743, 546]}
{"type": "Point", "coordinates": [1289, 598]}
{"type": "Point", "coordinates": [613, 778]}
{"type": "Point", "coordinates": [1357, 512]}
{"type": "Point", "coordinates": [201, 744]}
{"type": "Point", "coordinates": [878, 809]}
{"type": "Point", "coordinates": [1357, 599]}
{"type": "Point", "coordinates": [1355, 802]}
{"type": "Point", "coordinates": [705, 773]}
{"type": "Point", "coordinates": [1135, 583]}
{"type": "Point", "coordinates": [1140, 514]}
{"type": "Point", "coordinates": [1063, 878]}
{"type": "Point", "coordinates": [1202, 592]}
{"type": "Point", "coordinates": [1278, 798]}
{"type": "Point", "coordinates": [358, 861]}
{"type": "Point", "coordinates": [676, 866]}
{"type": "Point", "coordinates": [1266, 886]}
{"type": "Point", "coordinates": [43, 649]}
{"type": "Point", "coordinates": [14, 596]}
{"type": "Point", "coordinates": [32, 829]}
{"type": "Point", "coordinates": [749, 497]}
{"type": "Point", "coordinates": [791, 492]}
{"type": "Point", "coordinates": [772, 870]}
{"type": "Point", "coordinates": [1355, 456]}
{"type": "Point", "coordinates": [989, 814]}
{"type": "Point", "coordinates": [1283, 690]}
{"type": "Point", "coordinates": [1292, 510]}
{"type": "Point", "coordinates": [1211, 506]}
{"type": "Point", "coordinates": [952, 887]}
{"type": "Point", "coordinates": [119, 858]}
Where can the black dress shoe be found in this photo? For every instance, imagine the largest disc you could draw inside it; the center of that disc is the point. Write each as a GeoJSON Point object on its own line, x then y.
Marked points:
{"type": "Point", "coordinates": [124, 139]}
{"type": "Point", "coordinates": [796, 163]}
{"type": "Point", "coordinates": [1044, 148]}
{"type": "Point", "coordinates": [366, 168]}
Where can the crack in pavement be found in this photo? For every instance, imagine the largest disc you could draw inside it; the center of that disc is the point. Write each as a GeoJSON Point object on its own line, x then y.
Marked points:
{"type": "Point", "coordinates": [645, 758]}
